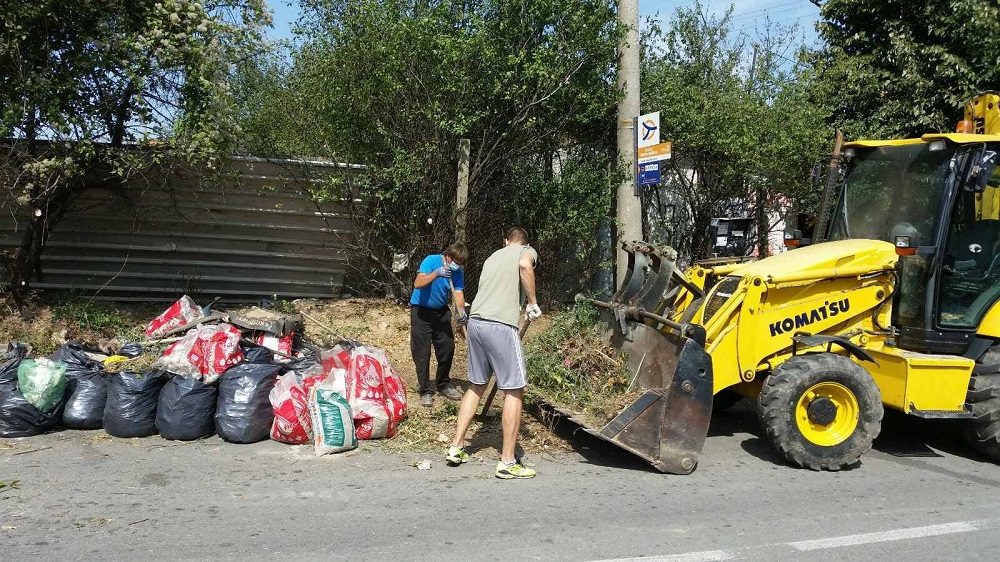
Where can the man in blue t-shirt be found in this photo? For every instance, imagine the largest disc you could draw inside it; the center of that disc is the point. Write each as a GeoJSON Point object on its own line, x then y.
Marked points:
{"type": "Point", "coordinates": [430, 319]}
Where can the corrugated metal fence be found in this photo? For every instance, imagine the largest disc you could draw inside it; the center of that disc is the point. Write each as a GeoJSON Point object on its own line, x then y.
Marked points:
{"type": "Point", "coordinates": [251, 239]}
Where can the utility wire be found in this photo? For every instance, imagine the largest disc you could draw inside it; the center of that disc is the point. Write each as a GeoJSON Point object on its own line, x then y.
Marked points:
{"type": "Point", "coordinates": [770, 13]}
{"type": "Point", "coordinates": [748, 12]}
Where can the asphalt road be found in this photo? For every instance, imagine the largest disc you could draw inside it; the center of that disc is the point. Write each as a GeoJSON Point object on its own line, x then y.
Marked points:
{"type": "Point", "coordinates": [921, 495]}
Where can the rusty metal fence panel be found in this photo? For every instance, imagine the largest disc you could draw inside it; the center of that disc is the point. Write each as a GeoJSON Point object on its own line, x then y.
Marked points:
{"type": "Point", "coordinates": [251, 238]}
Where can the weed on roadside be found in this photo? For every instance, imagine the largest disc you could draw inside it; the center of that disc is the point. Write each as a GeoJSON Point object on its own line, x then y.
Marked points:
{"type": "Point", "coordinates": [572, 364]}
{"type": "Point", "coordinates": [100, 318]}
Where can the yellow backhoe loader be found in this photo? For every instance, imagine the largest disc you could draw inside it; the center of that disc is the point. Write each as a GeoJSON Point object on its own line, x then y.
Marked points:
{"type": "Point", "coordinates": [898, 308]}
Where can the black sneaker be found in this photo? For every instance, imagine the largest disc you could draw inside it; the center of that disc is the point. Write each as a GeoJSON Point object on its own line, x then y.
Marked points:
{"type": "Point", "coordinates": [451, 393]}
{"type": "Point", "coordinates": [427, 400]}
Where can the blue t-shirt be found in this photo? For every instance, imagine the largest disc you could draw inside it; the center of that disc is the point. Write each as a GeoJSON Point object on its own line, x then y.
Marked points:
{"type": "Point", "coordinates": [437, 293]}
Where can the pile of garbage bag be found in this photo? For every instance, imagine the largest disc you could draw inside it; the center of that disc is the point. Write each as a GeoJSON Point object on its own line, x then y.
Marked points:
{"type": "Point", "coordinates": [247, 377]}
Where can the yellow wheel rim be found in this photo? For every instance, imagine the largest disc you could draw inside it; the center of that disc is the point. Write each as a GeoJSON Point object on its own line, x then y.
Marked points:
{"type": "Point", "coordinates": [819, 426]}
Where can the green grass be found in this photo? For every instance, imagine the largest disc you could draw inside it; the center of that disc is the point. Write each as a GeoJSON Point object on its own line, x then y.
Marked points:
{"type": "Point", "coordinates": [100, 318]}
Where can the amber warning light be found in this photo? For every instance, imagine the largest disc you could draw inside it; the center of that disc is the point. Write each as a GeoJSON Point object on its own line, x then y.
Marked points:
{"type": "Point", "coordinates": [903, 247]}
{"type": "Point", "coordinates": [793, 238]}
{"type": "Point", "coordinates": [964, 126]}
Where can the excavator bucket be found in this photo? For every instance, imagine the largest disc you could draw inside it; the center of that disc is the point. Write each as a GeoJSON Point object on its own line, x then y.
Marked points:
{"type": "Point", "coordinates": [668, 423]}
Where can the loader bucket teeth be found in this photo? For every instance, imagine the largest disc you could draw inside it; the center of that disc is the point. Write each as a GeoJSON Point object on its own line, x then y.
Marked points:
{"type": "Point", "coordinates": [658, 281]}
{"type": "Point", "coordinates": [635, 275]}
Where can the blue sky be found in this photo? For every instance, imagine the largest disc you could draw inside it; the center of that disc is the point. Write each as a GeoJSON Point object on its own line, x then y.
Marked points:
{"type": "Point", "coordinates": [747, 14]}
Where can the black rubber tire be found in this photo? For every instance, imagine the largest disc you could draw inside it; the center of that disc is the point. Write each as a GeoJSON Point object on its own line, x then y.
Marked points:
{"type": "Point", "coordinates": [776, 405]}
{"type": "Point", "coordinates": [983, 430]}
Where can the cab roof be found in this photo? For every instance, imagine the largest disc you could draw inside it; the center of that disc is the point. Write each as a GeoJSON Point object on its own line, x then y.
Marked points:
{"type": "Point", "coordinates": [957, 138]}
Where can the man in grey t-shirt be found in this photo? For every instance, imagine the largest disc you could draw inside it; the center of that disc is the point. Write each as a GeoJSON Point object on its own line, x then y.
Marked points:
{"type": "Point", "coordinates": [507, 281]}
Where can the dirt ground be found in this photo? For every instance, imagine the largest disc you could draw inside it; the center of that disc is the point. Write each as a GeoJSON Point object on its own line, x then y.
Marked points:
{"type": "Point", "coordinates": [386, 324]}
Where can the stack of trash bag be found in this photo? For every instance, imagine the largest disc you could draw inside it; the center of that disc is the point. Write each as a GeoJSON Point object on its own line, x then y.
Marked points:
{"type": "Point", "coordinates": [86, 387]}
{"type": "Point", "coordinates": [212, 381]}
{"type": "Point", "coordinates": [31, 393]}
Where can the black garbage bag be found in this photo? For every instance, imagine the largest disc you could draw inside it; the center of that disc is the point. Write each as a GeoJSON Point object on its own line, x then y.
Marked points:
{"type": "Point", "coordinates": [309, 362]}
{"type": "Point", "coordinates": [74, 355]}
{"type": "Point", "coordinates": [131, 407]}
{"type": "Point", "coordinates": [18, 418]}
{"type": "Point", "coordinates": [86, 387]}
{"type": "Point", "coordinates": [131, 350]}
{"type": "Point", "coordinates": [243, 413]}
{"type": "Point", "coordinates": [86, 398]}
{"type": "Point", "coordinates": [9, 361]}
{"type": "Point", "coordinates": [257, 354]}
{"type": "Point", "coordinates": [186, 409]}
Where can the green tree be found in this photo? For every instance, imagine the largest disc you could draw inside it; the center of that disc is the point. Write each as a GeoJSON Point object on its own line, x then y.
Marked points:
{"type": "Point", "coordinates": [112, 92]}
{"type": "Point", "coordinates": [744, 133]}
{"type": "Point", "coordinates": [900, 68]}
{"type": "Point", "coordinates": [394, 85]}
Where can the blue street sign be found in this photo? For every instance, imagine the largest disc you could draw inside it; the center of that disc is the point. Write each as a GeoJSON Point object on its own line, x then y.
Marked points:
{"type": "Point", "coordinates": [649, 174]}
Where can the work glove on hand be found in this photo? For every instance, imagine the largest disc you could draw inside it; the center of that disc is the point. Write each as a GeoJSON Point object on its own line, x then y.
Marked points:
{"type": "Point", "coordinates": [443, 271]}
{"type": "Point", "coordinates": [462, 317]}
{"type": "Point", "coordinates": [531, 312]}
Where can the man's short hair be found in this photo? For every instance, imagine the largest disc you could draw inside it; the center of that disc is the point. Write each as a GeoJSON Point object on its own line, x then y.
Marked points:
{"type": "Point", "coordinates": [517, 235]}
{"type": "Point", "coordinates": [458, 252]}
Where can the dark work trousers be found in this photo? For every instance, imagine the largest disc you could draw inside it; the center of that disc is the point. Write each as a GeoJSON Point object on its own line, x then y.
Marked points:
{"type": "Point", "coordinates": [431, 326]}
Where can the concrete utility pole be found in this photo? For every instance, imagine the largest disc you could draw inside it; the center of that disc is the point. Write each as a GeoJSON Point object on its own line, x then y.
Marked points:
{"type": "Point", "coordinates": [629, 209]}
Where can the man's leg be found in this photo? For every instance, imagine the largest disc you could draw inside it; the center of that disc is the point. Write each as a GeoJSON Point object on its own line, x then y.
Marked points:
{"type": "Point", "coordinates": [420, 349]}
{"type": "Point", "coordinates": [467, 411]}
{"type": "Point", "coordinates": [513, 401]}
{"type": "Point", "coordinates": [443, 337]}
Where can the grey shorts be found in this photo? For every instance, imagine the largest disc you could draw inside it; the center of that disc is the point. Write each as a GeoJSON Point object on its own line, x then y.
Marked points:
{"type": "Point", "coordinates": [495, 347]}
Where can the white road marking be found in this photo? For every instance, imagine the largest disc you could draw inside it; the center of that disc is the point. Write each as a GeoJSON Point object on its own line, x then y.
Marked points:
{"type": "Point", "coordinates": [885, 536]}
{"type": "Point", "coordinates": [703, 556]}
{"type": "Point", "coordinates": [818, 544]}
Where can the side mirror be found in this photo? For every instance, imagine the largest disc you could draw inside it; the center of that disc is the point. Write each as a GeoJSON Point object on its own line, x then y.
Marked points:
{"type": "Point", "coordinates": [982, 172]}
{"type": "Point", "coordinates": [793, 238]}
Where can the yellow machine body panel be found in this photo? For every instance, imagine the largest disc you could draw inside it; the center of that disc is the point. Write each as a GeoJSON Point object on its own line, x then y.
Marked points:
{"type": "Point", "coordinates": [919, 382]}
{"type": "Point", "coordinates": [990, 325]}
{"type": "Point", "coordinates": [877, 143]}
{"type": "Point", "coordinates": [820, 261]}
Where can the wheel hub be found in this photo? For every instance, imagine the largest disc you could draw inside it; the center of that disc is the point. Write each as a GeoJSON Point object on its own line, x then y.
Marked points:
{"type": "Point", "coordinates": [826, 413]}
{"type": "Point", "coordinates": [822, 411]}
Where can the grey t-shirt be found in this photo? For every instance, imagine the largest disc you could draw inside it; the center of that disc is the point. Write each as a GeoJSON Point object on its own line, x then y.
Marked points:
{"type": "Point", "coordinates": [500, 293]}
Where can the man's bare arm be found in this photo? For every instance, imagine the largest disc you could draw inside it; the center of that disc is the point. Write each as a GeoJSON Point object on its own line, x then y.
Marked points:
{"type": "Point", "coordinates": [527, 268]}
